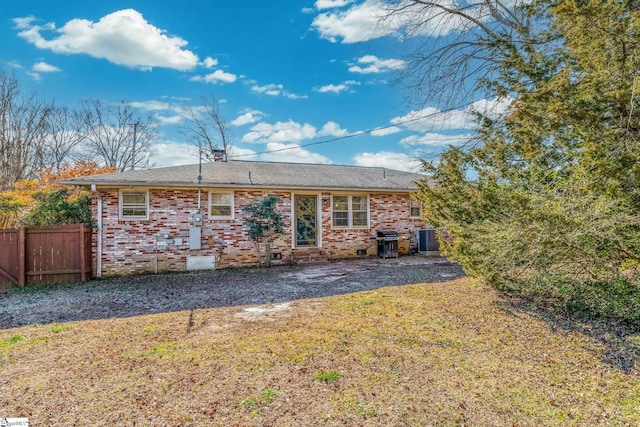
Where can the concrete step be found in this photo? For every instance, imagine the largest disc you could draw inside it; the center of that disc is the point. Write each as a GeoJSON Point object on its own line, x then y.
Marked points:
{"type": "Point", "coordinates": [309, 255]}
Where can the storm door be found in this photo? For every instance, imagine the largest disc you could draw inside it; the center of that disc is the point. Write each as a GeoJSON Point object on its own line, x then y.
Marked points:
{"type": "Point", "coordinates": [306, 220]}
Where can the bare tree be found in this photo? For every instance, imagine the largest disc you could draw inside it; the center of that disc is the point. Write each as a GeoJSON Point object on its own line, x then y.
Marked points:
{"type": "Point", "coordinates": [463, 46]}
{"type": "Point", "coordinates": [64, 134]}
{"type": "Point", "coordinates": [207, 129]}
{"type": "Point", "coordinates": [23, 120]}
{"type": "Point", "coordinates": [116, 135]}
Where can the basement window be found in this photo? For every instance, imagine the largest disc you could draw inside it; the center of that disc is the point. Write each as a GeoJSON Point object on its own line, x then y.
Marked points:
{"type": "Point", "coordinates": [134, 205]}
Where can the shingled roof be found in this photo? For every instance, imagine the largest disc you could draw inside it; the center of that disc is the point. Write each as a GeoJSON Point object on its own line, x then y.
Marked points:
{"type": "Point", "coordinates": [243, 174]}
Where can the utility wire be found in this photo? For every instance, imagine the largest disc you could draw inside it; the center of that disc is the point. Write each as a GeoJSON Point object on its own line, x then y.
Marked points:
{"type": "Point", "coordinates": [353, 135]}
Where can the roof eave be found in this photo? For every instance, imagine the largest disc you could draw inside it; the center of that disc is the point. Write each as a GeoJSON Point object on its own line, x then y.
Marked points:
{"type": "Point", "coordinates": [155, 184]}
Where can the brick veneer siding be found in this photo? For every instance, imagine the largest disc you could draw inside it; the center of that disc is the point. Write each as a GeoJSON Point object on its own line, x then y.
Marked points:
{"type": "Point", "coordinates": [138, 246]}
{"type": "Point", "coordinates": [386, 212]}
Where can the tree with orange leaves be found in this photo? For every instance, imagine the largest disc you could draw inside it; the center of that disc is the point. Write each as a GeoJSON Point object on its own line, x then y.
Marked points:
{"type": "Point", "coordinates": [48, 178]}
{"type": "Point", "coordinates": [45, 201]}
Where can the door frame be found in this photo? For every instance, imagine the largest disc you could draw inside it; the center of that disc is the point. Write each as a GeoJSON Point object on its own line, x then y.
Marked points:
{"type": "Point", "coordinates": [294, 219]}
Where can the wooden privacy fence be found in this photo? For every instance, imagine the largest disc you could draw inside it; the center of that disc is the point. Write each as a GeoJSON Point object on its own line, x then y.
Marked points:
{"type": "Point", "coordinates": [44, 255]}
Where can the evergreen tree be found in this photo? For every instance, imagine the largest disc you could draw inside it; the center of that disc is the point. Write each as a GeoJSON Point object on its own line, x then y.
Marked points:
{"type": "Point", "coordinates": [548, 201]}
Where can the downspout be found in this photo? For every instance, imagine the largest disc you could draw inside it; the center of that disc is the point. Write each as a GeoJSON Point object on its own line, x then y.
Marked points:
{"type": "Point", "coordinates": [99, 237]}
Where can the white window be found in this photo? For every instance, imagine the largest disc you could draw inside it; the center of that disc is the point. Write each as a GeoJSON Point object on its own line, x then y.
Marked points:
{"type": "Point", "coordinates": [416, 208]}
{"type": "Point", "coordinates": [350, 211]}
{"type": "Point", "coordinates": [134, 204]}
{"type": "Point", "coordinates": [340, 211]}
{"type": "Point", "coordinates": [220, 205]}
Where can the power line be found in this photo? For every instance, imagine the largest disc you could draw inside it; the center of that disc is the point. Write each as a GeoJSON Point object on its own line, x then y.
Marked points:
{"type": "Point", "coordinates": [353, 135]}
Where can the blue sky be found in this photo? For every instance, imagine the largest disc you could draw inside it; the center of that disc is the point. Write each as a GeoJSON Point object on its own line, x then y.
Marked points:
{"type": "Point", "coordinates": [290, 75]}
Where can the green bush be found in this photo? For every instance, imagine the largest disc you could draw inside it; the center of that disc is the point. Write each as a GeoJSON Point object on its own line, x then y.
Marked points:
{"type": "Point", "coordinates": [56, 207]}
{"type": "Point", "coordinates": [617, 300]}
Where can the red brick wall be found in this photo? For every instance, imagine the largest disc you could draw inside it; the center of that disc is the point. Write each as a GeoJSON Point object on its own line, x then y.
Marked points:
{"type": "Point", "coordinates": [137, 246]}
{"type": "Point", "coordinates": [386, 212]}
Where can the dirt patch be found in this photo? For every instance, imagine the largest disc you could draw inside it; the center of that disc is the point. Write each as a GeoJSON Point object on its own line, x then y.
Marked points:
{"type": "Point", "coordinates": [264, 312]}
{"type": "Point", "coordinates": [148, 294]}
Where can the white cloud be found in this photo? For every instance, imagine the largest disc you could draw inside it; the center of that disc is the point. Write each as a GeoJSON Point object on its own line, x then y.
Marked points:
{"type": "Point", "coordinates": [171, 113]}
{"type": "Point", "coordinates": [176, 98]}
{"type": "Point", "coordinates": [43, 67]}
{"type": "Point", "coordinates": [373, 64]}
{"type": "Point", "coordinates": [356, 24]}
{"type": "Point", "coordinates": [216, 77]}
{"type": "Point", "coordinates": [342, 87]}
{"type": "Point", "coordinates": [289, 131]}
{"type": "Point", "coordinates": [169, 120]}
{"type": "Point", "coordinates": [333, 88]}
{"type": "Point", "coordinates": [123, 37]}
{"type": "Point", "coordinates": [151, 105]}
{"type": "Point", "coordinates": [330, 4]}
{"type": "Point", "coordinates": [363, 21]}
{"type": "Point", "coordinates": [491, 107]}
{"type": "Point", "coordinates": [279, 152]}
{"type": "Point", "coordinates": [389, 160]}
{"type": "Point", "coordinates": [24, 22]}
{"type": "Point", "coordinates": [332, 129]}
{"type": "Point", "coordinates": [270, 89]}
{"type": "Point", "coordinates": [273, 89]}
{"type": "Point", "coordinates": [292, 153]}
{"type": "Point", "coordinates": [385, 131]}
{"type": "Point", "coordinates": [209, 62]}
{"type": "Point", "coordinates": [166, 113]}
{"type": "Point", "coordinates": [432, 119]}
{"type": "Point", "coordinates": [242, 154]}
{"type": "Point", "coordinates": [247, 117]}
{"type": "Point", "coordinates": [15, 64]}
{"type": "Point", "coordinates": [435, 139]}
{"type": "Point", "coordinates": [174, 154]}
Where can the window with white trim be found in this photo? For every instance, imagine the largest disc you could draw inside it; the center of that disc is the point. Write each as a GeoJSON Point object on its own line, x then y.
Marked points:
{"type": "Point", "coordinates": [350, 211]}
{"type": "Point", "coordinates": [416, 208]}
{"type": "Point", "coordinates": [220, 205]}
{"type": "Point", "coordinates": [134, 204]}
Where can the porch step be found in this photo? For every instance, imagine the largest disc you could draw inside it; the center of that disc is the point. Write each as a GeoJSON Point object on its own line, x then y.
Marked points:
{"type": "Point", "coordinates": [309, 255]}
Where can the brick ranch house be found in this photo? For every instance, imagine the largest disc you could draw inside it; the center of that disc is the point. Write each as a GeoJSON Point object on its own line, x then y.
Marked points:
{"type": "Point", "coordinates": [167, 219]}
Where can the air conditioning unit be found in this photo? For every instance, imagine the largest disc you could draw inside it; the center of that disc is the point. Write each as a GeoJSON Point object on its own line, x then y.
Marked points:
{"type": "Point", "coordinates": [427, 241]}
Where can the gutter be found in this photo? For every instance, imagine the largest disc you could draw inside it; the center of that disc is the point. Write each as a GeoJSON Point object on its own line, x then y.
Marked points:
{"type": "Point", "coordinates": [240, 186]}
{"type": "Point", "coordinates": [99, 237]}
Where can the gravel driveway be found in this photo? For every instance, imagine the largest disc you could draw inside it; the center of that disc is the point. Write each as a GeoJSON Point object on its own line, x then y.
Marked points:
{"type": "Point", "coordinates": [146, 294]}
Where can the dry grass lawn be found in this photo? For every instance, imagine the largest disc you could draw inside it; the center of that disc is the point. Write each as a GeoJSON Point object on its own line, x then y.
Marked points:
{"type": "Point", "coordinates": [433, 354]}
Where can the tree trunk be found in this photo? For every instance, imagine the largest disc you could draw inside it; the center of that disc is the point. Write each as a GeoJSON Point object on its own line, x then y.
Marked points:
{"type": "Point", "coordinates": [259, 258]}
{"type": "Point", "coordinates": [267, 254]}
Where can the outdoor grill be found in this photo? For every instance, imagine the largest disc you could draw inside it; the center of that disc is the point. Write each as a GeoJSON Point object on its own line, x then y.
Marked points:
{"type": "Point", "coordinates": [387, 244]}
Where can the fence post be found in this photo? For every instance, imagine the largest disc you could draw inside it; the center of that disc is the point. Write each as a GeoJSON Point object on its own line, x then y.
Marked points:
{"type": "Point", "coordinates": [83, 254]}
{"type": "Point", "coordinates": [22, 256]}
